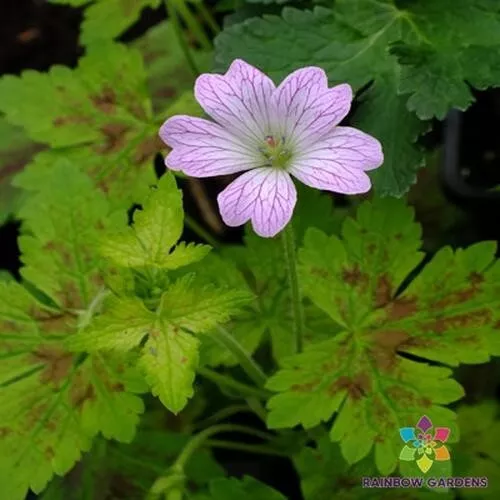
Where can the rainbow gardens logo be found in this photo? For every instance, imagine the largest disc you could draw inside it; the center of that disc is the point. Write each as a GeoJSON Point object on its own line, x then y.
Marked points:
{"type": "Point", "coordinates": [424, 444]}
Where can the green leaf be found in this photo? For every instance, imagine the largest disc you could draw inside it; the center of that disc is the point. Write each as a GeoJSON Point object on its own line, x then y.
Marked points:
{"type": "Point", "coordinates": [97, 116]}
{"type": "Point", "coordinates": [246, 489]}
{"type": "Point", "coordinates": [131, 469]}
{"type": "Point", "coordinates": [107, 19]}
{"type": "Point", "coordinates": [157, 228]}
{"type": "Point", "coordinates": [478, 452]}
{"type": "Point", "coordinates": [15, 151]}
{"type": "Point", "coordinates": [448, 313]}
{"type": "Point", "coordinates": [169, 356]}
{"type": "Point", "coordinates": [426, 50]}
{"type": "Point", "coordinates": [325, 475]}
{"type": "Point", "coordinates": [54, 402]}
{"type": "Point", "coordinates": [63, 223]}
{"type": "Point", "coordinates": [258, 267]}
{"type": "Point", "coordinates": [168, 75]}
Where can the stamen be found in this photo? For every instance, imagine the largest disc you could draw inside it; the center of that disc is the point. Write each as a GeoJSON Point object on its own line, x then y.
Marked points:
{"type": "Point", "coordinates": [271, 141]}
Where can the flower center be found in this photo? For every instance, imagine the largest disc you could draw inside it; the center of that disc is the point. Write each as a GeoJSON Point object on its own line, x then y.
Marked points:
{"type": "Point", "coordinates": [275, 152]}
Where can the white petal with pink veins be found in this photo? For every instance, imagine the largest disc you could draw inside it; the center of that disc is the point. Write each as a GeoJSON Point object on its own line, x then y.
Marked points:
{"type": "Point", "coordinates": [204, 149]}
{"type": "Point", "coordinates": [308, 109]}
{"type": "Point", "coordinates": [338, 163]}
{"type": "Point", "coordinates": [266, 196]}
{"type": "Point", "coordinates": [241, 100]}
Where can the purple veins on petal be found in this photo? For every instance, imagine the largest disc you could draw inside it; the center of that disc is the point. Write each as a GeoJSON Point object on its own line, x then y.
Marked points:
{"type": "Point", "coordinates": [271, 133]}
{"type": "Point", "coordinates": [265, 196]}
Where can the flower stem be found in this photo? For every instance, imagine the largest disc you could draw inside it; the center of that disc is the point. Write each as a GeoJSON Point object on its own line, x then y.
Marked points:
{"type": "Point", "coordinates": [225, 381]}
{"type": "Point", "coordinates": [248, 448]}
{"type": "Point", "coordinates": [174, 16]}
{"type": "Point", "coordinates": [199, 440]}
{"type": "Point", "coordinates": [208, 18]}
{"type": "Point", "coordinates": [251, 368]}
{"type": "Point", "coordinates": [192, 23]}
{"type": "Point", "coordinates": [222, 414]}
{"type": "Point", "coordinates": [293, 282]}
{"type": "Point", "coordinates": [200, 231]}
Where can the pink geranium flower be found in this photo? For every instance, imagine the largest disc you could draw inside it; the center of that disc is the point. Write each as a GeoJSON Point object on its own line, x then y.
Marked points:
{"type": "Point", "coordinates": [272, 133]}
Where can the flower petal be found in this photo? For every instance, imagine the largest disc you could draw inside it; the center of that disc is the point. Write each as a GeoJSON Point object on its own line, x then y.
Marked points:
{"type": "Point", "coordinates": [338, 162]}
{"type": "Point", "coordinates": [241, 100]}
{"type": "Point", "coordinates": [204, 149]}
{"type": "Point", "coordinates": [267, 196]}
{"type": "Point", "coordinates": [310, 108]}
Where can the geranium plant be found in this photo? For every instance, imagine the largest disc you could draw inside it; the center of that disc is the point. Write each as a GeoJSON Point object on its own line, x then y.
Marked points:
{"type": "Point", "coordinates": [294, 313]}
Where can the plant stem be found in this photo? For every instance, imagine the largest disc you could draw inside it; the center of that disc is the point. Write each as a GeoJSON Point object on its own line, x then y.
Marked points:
{"type": "Point", "coordinates": [229, 382]}
{"type": "Point", "coordinates": [174, 16]}
{"type": "Point", "coordinates": [199, 440]}
{"type": "Point", "coordinates": [249, 448]}
{"type": "Point", "coordinates": [293, 282]}
{"type": "Point", "coordinates": [208, 18]}
{"type": "Point", "coordinates": [251, 368]}
{"type": "Point", "coordinates": [222, 414]}
{"type": "Point", "coordinates": [200, 231]}
{"type": "Point", "coordinates": [191, 22]}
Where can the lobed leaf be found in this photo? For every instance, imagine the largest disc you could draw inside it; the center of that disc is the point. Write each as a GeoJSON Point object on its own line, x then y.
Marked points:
{"type": "Point", "coordinates": [157, 228]}
{"type": "Point", "coordinates": [107, 19]}
{"type": "Point", "coordinates": [426, 51]}
{"type": "Point", "coordinates": [97, 116]}
{"type": "Point", "coordinates": [376, 373]}
{"type": "Point", "coordinates": [54, 402]}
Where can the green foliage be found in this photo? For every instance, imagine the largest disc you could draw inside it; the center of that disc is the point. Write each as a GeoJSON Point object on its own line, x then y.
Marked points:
{"type": "Point", "coordinates": [478, 452]}
{"type": "Point", "coordinates": [166, 329]}
{"type": "Point", "coordinates": [419, 59]}
{"type": "Point", "coordinates": [325, 475]}
{"type": "Point", "coordinates": [15, 151]}
{"type": "Point", "coordinates": [53, 402]}
{"type": "Point", "coordinates": [448, 313]}
{"type": "Point", "coordinates": [246, 489]}
{"type": "Point", "coordinates": [168, 76]}
{"type": "Point", "coordinates": [258, 268]}
{"type": "Point", "coordinates": [107, 19]}
{"type": "Point", "coordinates": [97, 116]}
{"type": "Point", "coordinates": [115, 469]}
{"type": "Point", "coordinates": [156, 229]}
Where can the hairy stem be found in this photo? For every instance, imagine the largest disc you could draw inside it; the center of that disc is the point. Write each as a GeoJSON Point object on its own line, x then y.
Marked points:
{"type": "Point", "coordinates": [200, 231]}
{"type": "Point", "coordinates": [192, 23]}
{"type": "Point", "coordinates": [247, 363]}
{"type": "Point", "coordinates": [174, 17]}
{"type": "Point", "coordinates": [230, 383]}
{"type": "Point", "coordinates": [248, 448]}
{"type": "Point", "coordinates": [288, 238]}
{"type": "Point", "coordinates": [199, 440]}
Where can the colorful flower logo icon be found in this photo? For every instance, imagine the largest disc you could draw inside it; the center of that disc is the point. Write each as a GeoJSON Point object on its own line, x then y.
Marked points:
{"type": "Point", "coordinates": [423, 445]}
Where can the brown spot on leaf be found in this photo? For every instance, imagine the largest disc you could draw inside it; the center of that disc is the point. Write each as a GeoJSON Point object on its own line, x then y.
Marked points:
{"type": "Point", "coordinates": [306, 387]}
{"type": "Point", "coordinates": [318, 271]}
{"type": "Point", "coordinates": [475, 278]}
{"type": "Point", "coordinates": [383, 291]}
{"type": "Point", "coordinates": [466, 320]}
{"type": "Point", "coordinates": [147, 149]}
{"type": "Point", "coordinates": [57, 364]}
{"type": "Point", "coordinates": [355, 277]}
{"type": "Point", "coordinates": [62, 121]}
{"type": "Point", "coordinates": [105, 101]}
{"type": "Point", "coordinates": [118, 387]}
{"type": "Point", "coordinates": [49, 453]}
{"type": "Point", "coordinates": [357, 387]}
{"type": "Point", "coordinates": [114, 138]}
{"type": "Point", "coordinates": [5, 431]}
{"type": "Point", "coordinates": [385, 346]}
{"type": "Point", "coordinates": [81, 392]}
{"type": "Point", "coordinates": [401, 308]}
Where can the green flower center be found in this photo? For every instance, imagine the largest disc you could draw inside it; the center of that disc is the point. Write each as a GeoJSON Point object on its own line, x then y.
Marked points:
{"type": "Point", "coordinates": [276, 153]}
